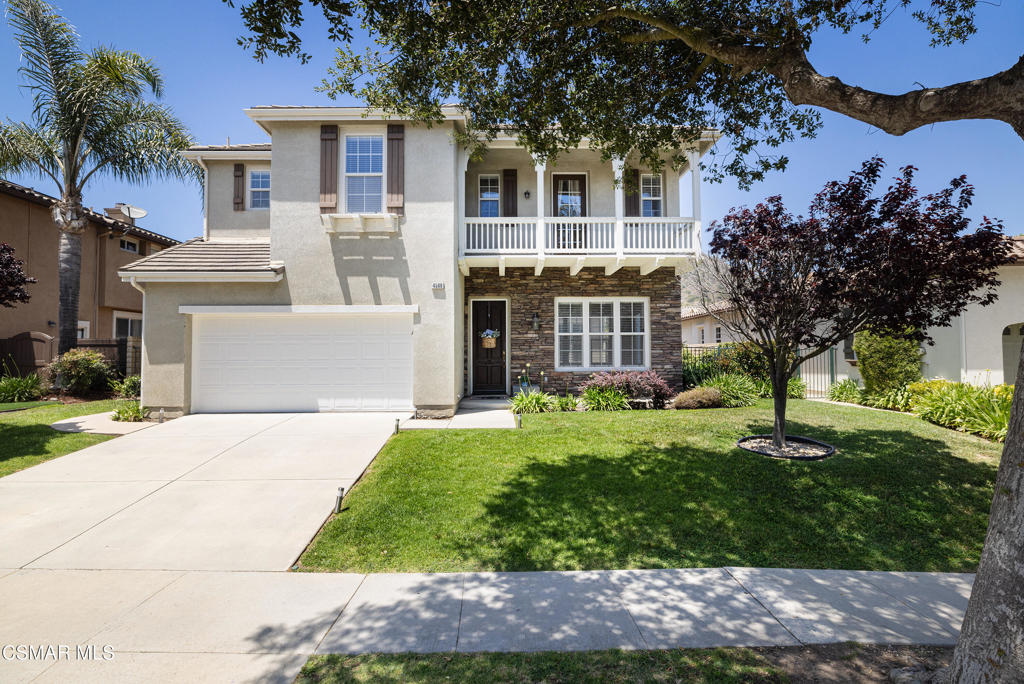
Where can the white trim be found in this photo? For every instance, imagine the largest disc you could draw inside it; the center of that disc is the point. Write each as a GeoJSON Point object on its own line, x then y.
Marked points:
{"type": "Point", "coordinates": [479, 197]}
{"type": "Point", "coordinates": [370, 132]}
{"type": "Point", "coordinates": [249, 188]}
{"type": "Point", "coordinates": [261, 115]}
{"type": "Point", "coordinates": [124, 239]}
{"type": "Point", "coordinates": [616, 334]}
{"type": "Point", "coordinates": [117, 313]}
{"type": "Point", "coordinates": [660, 198]}
{"type": "Point", "coordinates": [85, 327]}
{"type": "Point", "coordinates": [554, 191]}
{"type": "Point", "coordinates": [196, 155]}
{"type": "Point", "coordinates": [205, 277]}
{"type": "Point", "coordinates": [506, 333]}
{"type": "Point", "coordinates": [306, 309]}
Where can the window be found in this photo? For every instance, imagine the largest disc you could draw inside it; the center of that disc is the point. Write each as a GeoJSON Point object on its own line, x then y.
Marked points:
{"type": "Point", "coordinates": [718, 334]}
{"type": "Point", "coordinates": [700, 335]}
{"type": "Point", "coordinates": [129, 245]}
{"type": "Point", "coordinates": [127, 324]}
{"type": "Point", "coordinates": [600, 332]}
{"type": "Point", "coordinates": [490, 195]}
{"type": "Point", "coordinates": [83, 330]}
{"type": "Point", "coordinates": [569, 196]}
{"type": "Point", "coordinates": [259, 189]}
{"type": "Point", "coordinates": [848, 353]}
{"type": "Point", "coordinates": [364, 174]}
{"type": "Point", "coordinates": [650, 195]}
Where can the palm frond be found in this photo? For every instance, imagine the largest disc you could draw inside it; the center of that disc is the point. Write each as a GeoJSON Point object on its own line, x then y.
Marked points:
{"type": "Point", "coordinates": [30, 150]}
{"type": "Point", "coordinates": [49, 51]}
{"type": "Point", "coordinates": [123, 72]}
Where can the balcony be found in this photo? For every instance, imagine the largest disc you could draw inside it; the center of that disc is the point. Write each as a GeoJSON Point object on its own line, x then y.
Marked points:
{"type": "Point", "coordinates": [579, 242]}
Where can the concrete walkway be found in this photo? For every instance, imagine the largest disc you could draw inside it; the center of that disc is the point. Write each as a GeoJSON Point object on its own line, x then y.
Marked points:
{"type": "Point", "coordinates": [261, 626]}
{"type": "Point", "coordinates": [473, 412]}
{"type": "Point", "coordinates": [99, 424]}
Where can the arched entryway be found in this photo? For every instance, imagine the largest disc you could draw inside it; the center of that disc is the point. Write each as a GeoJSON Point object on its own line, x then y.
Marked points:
{"type": "Point", "coordinates": [1013, 336]}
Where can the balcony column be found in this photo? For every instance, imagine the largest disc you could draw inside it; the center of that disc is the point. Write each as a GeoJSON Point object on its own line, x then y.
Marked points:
{"type": "Point", "coordinates": [462, 155]}
{"type": "Point", "coordinates": [540, 167]}
{"type": "Point", "coordinates": [693, 159]}
{"type": "Point", "coordinates": [620, 205]}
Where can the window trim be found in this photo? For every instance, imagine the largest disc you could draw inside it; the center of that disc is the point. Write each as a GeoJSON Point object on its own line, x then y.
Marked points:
{"type": "Point", "coordinates": [250, 190]}
{"type": "Point", "coordinates": [700, 335]}
{"type": "Point", "coordinates": [616, 334]}
{"type": "Point", "coordinates": [479, 196]}
{"type": "Point", "coordinates": [131, 241]}
{"type": "Point", "coordinates": [718, 334]}
{"type": "Point", "coordinates": [551, 188]}
{"type": "Point", "coordinates": [343, 175]}
{"type": "Point", "coordinates": [661, 198]}
{"type": "Point", "coordinates": [130, 315]}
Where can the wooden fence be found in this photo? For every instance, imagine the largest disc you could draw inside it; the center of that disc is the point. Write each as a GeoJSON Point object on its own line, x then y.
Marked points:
{"type": "Point", "coordinates": [30, 352]}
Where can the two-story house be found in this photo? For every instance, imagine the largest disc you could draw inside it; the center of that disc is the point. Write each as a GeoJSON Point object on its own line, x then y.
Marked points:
{"type": "Point", "coordinates": [353, 263]}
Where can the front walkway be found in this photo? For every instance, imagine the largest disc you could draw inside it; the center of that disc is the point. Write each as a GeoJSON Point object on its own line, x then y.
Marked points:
{"type": "Point", "coordinates": [473, 412]}
{"type": "Point", "coordinates": [261, 626]}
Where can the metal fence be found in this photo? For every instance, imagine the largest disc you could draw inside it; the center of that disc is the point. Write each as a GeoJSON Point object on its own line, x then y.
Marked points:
{"type": "Point", "coordinates": [703, 361]}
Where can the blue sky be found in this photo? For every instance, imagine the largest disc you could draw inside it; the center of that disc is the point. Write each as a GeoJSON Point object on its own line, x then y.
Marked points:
{"type": "Point", "coordinates": [210, 80]}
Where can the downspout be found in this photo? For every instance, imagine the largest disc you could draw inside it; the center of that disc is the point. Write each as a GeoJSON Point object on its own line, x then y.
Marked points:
{"type": "Point", "coordinates": [142, 366]}
{"type": "Point", "coordinates": [963, 349]}
{"type": "Point", "coordinates": [206, 197]}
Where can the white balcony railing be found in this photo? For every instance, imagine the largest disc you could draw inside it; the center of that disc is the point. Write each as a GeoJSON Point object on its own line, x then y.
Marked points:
{"type": "Point", "coordinates": [583, 236]}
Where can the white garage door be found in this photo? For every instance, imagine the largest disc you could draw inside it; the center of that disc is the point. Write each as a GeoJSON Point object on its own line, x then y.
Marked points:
{"type": "Point", "coordinates": [292, 362]}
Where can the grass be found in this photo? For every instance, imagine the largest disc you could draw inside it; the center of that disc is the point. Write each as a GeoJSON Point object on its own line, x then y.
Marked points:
{"type": "Point", "coordinates": [706, 665]}
{"type": "Point", "coordinates": [668, 489]}
{"type": "Point", "coordinates": [18, 405]}
{"type": "Point", "coordinates": [26, 437]}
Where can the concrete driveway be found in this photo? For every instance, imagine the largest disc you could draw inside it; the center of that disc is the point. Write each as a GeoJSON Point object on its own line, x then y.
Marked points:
{"type": "Point", "coordinates": [203, 492]}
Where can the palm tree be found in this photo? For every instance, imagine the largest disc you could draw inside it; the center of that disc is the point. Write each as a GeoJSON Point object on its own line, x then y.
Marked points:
{"type": "Point", "coordinates": [90, 118]}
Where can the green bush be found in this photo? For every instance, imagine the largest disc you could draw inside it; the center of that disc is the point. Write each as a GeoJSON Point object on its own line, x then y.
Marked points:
{"type": "Point", "coordinates": [533, 401]}
{"type": "Point", "coordinates": [795, 388]}
{"type": "Point", "coordinates": [604, 399]}
{"type": "Point", "coordinates": [570, 402]}
{"type": "Point", "coordinates": [983, 411]}
{"type": "Point", "coordinates": [737, 389]}
{"type": "Point", "coordinates": [129, 388]}
{"type": "Point", "coordinates": [81, 371]}
{"type": "Point", "coordinates": [886, 363]}
{"type": "Point", "coordinates": [128, 411]}
{"type": "Point", "coordinates": [893, 399]}
{"type": "Point", "coordinates": [698, 398]}
{"type": "Point", "coordinates": [699, 366]}
{"type": "Point", "coordinates": [14, 389]}
{"type": "Point", "coordinates": [747, 358]}
{"type": "Point", "coordinates": [847, 391]}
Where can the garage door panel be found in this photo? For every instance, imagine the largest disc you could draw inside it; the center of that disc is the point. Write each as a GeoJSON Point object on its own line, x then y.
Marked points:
{"type": "Point", "coordinates": [302, 363]}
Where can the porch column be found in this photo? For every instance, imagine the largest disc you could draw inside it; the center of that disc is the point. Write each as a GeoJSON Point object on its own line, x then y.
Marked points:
{"type": "Point", "coordinates": [620, 205]}
{"type": "Point", "coordinates": [693, 159]}
{"type": "Point", "coordinates": [460, 178]}
{"type": "Point", "coordinates": [540, 166]}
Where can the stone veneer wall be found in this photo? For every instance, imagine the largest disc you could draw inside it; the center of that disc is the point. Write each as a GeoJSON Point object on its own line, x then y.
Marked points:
{"type": "Point", "coordinates": [529, 293]}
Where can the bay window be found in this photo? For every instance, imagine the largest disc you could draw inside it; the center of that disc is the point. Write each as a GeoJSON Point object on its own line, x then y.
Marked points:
{"type": "Point", "coordinates": [601, 333]}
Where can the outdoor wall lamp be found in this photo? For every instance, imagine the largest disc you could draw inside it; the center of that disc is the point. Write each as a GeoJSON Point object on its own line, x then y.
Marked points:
{"type": "Point", "coordinates": [536, 321]}
{"type": "Point", "coordinates": [526, 194]}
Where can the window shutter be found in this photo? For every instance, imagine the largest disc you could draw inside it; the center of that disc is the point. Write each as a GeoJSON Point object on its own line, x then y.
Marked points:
{"type": "Point", "coordinates": [239, 187]}
{"type": "Point", "coordinates": [632, 177]}
{"type": "Point", "coordinates": [509, 193]}
{"type": "Point", "coordinates": [328, 169]}
{"type": "Point", "coordinates": [396, 169]}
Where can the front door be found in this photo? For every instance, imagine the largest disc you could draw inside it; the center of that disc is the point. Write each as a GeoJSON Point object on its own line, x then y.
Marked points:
{"type": "Point", "coordinates": [489, 372]}
{"type": "Point", "coordinates": [570, 201]}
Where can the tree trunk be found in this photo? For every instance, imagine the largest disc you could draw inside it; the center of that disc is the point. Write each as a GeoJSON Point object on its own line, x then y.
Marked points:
{"type": "Point", "coordinates": [779, 386]}
{"type": "Point", "coordinates": [991, 643]}
{"type": "Point", "coordinates": [69, 217]}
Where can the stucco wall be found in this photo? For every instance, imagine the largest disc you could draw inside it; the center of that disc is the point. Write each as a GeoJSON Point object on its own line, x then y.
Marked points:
{"type": "Point", "coordinates": [223, 221]}
{"type": "Point", "coordinates": [600, 181]}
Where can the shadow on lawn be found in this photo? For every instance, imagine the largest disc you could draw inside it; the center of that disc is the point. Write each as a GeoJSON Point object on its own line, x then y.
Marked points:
{"type": "Point", "coordinates": [888, 500]}
{"type": "Point", "coordinates": [17, 441]}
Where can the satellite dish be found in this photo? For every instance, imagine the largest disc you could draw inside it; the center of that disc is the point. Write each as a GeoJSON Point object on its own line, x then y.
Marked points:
{"type": "Point", "coordinates": [133, 212]}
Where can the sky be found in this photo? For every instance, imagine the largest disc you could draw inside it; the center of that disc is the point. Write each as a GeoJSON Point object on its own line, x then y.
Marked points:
{"type": "Point", "coordinates": [210, 80]}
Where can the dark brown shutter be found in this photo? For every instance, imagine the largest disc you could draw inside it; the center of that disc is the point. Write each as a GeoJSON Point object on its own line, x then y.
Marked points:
{"type": "Point", "coordinates": [239, 187]}
{"type": "Point", "coordinates": [328, 169]}
{"type": "Point", "coordinates": [509, 193]}
{"type": "Point", "coordinates": [396, 169]}
{"type": "Point", "coordinates": [632, 207]}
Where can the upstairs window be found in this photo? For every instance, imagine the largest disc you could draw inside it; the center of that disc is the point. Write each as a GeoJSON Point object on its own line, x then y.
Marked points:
{"type": "Point", "coordinates": [490, 195]}
{"type": "Point", "coordinates": [650, 195]}
{"type": "Point", "coordinates": [259, 189]}
{"type": "Point", "coordinates": [129, 245]}
{"type": "Point", "coordinates": [364, 174]}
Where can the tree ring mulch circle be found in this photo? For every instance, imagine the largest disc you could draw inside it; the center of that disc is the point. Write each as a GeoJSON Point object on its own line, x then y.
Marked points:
{"type": "Point", "coordinates": [797, 448]}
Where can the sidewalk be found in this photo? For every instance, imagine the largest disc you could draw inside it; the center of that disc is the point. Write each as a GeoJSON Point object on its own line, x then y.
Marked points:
{"type": "Point", "coordinates": [205, 626]}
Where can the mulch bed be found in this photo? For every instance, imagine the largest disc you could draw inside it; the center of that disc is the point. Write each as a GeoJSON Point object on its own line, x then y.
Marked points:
{"type": "Point", "coordinates": [796, 448]}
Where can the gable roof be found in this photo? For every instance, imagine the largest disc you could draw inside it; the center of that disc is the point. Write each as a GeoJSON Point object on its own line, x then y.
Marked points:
{"type": "Point", "coordinates": [32, 195]}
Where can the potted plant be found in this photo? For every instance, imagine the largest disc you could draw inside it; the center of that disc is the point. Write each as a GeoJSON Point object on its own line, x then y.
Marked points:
{"type": "Point", "coordinates": [489, 338]}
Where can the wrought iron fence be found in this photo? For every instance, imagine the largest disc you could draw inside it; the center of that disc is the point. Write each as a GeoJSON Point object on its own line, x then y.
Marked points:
{"type": "Point", "coordinates": [700, 362]}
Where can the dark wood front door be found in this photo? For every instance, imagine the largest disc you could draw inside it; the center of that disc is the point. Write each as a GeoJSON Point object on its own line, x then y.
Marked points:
{"type": "Point", "coordinates": [488, 363]}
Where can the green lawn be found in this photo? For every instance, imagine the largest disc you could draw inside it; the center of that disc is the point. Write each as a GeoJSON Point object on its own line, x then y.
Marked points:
{"type": "Point", "coordinates": [26, 437]}
{"type": "Point", "coordinates": [668, 489]}
{"type": "Point", "coordinates": [19, 405]}
{"type": "Point", "coordinates": [709, 665]}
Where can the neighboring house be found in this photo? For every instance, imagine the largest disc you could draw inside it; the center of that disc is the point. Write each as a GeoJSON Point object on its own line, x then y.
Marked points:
{"type": "Point", "coordinates": [355, 266]}
{"type": "Point", "coordinates": [702, 328]}
{"type": "Point", "coordinates": [107, 307]}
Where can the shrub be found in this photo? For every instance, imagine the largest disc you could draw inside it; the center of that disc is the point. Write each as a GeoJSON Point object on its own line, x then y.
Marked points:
{"type": "Point", "coordinates": [605, 399]}
{"type": "Point", "coordinates": [699, 366]}
{"type": "Point", "coordinates": [129, 388]}
{"type": "Point", "coordinates": [747, 358]}
{"type": "Point", "coordinates": [127, 411]}
{"type": "Point", "coordinates": [886, 363]}
{"type": "Point", "coordinates": [634, 385]}
{"type": "Point", "coordinates": [533, 401]}
{"type": "Point", "coordinates": [894, 399]}
{"type": "Point", "coordinates": [737, 389]}
{"type": "Point", "coordinates": [81, 371]}
{"type": "Point", "coordinates": [847, 391]}
{"type": "Point", "coordinates": [15, 389]}
{"type": "Point", "coordinates": [570, 402]}
{"type": "Point", "coordinates": [698, 398]}
{"type": "Point", "coordinates": [795, 388]}
{"type": "Point", "coordinates": [982, 410]}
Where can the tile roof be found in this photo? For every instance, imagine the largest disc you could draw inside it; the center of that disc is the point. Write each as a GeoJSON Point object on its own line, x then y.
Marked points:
{"type": "Point", "coordinates": [1017, 249]}
{"type": "Point", "coordinates": [32, 195]}
{"type": "Point", "coordinates": [208, 256]}
{"type": "Point", "coordinates": [238, 147]}
{"type": "Point", "coordinates": [689, 312]}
